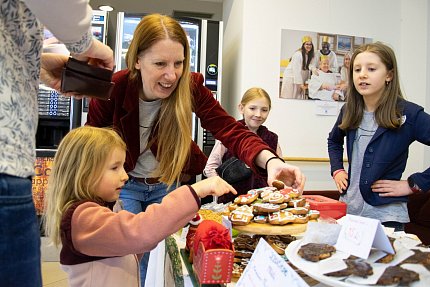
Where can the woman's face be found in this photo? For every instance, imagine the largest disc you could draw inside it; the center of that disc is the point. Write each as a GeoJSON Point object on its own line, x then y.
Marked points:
{"type": "Point", "coordinates": [161, 67]}
{"type": "Point", "coordinates": [255, 113]}
{"type": "Point", "coordinates": [308, 46]}
{"type": "Point", "coordinates": [347, 61]}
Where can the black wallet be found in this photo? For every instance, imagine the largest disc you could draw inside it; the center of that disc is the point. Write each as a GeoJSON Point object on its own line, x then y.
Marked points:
{"type": "Point", "coordinates": [88, 80]}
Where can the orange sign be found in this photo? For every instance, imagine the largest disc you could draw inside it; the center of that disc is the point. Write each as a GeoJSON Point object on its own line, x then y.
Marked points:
{"type": "Point", "coordinates": [42, 168]}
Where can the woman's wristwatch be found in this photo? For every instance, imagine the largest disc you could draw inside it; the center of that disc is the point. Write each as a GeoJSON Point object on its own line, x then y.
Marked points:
{"type": "Point", "coordinates": [413, 186]}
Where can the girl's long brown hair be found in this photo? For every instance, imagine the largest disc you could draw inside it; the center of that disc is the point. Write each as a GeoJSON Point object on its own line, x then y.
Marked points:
{"type": "Point", "coordinates": [174, 123]}
{"type": "Point", "coordinates": [387, 113]}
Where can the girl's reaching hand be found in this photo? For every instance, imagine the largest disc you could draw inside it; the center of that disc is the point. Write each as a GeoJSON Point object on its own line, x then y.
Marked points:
{"type": "Point", "coordinates": [212, 186]}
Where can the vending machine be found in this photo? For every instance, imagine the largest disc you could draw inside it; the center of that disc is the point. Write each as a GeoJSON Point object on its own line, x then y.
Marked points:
{"type": "Point", "coordinates": [205, 39]}
{"type": "Point", "coordinates": [99, 29]}
{"type": "Point", "coordinates": [99, 25]}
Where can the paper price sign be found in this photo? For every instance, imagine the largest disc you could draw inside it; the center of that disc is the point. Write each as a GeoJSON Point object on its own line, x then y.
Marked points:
{"type": "Point", "coordinates": [267, 269]}
{"type": "Point", "coordinates": [359, 234]}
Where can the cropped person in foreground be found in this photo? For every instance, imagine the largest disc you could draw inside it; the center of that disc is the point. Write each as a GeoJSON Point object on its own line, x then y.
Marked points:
{"type": "Point", "coordinates": [21, 40]}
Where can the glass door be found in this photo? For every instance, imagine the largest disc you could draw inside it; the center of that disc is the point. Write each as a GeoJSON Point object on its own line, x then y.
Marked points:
{"type": "Point", "coordinates": [126, 24]}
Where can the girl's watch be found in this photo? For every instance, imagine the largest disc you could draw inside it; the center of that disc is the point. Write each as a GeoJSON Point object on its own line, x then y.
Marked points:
{"type": "Point", "coordinates": [413, 186]}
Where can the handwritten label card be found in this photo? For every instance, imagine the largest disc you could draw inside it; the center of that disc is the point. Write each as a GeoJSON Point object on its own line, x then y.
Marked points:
{"type": "Point", "coordinates": [267, 268]}
{"type": "Point", "coordinates": [359, 234]}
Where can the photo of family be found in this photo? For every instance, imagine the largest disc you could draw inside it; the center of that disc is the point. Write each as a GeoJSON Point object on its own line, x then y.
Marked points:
{"type": "Point", "coordinates": [315, 66]}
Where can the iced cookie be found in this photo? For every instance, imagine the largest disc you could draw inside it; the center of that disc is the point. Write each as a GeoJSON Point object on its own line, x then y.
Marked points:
{"type": "Point", "coordinates": [245, 199]}
{"type": "Point", "coordinates": [264, 208]}
{"type": "Point", "coordinates": [281, 217]}
{"type": "Point", "coordinates": [260, 219]}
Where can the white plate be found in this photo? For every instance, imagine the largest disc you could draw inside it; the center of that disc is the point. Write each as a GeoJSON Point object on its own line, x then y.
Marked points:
{"type": "Point", "coordinates": [311, 268]}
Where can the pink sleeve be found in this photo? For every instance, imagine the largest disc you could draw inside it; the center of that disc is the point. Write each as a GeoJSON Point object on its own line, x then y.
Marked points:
{"type": "Point", "coordinates": [215, 159]}
{"type": "Point", "coordinates": [97, 231]}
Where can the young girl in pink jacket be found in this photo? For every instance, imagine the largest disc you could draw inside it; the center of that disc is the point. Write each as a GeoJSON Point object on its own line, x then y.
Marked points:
{"type": "Point", "coordinates": [101, 247]}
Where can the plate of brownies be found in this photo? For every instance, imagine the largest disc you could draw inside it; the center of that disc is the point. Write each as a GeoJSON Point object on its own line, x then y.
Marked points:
{"type": "Point", "coordinates": [409, 266]}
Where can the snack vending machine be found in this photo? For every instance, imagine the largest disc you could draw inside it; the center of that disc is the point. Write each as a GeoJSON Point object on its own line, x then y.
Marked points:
{"type": "Point", "coordinates": [205, 39]}
{"type": "Point", "coordinates": [99, 29]}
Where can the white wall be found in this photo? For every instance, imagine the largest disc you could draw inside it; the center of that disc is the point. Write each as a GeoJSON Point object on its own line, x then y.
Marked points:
{"type": "Point", "coordinates": [251, 54]}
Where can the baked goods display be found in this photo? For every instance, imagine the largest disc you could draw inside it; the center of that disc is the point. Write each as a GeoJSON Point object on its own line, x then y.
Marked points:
{"type": "Point", "coordinates": [241, 215]}
{"type": "Point", "coordinates": [398, 275]}
{"type": "Point", "coordinates": [389, 257]}
{"type": "Point", "coordinates": [271, 205]}
{"type": "Point", "coordinates": [355, 266]}
{"type": "Point", "coordinates": [278, 184]}
{"type": "Point", "coordinates": [245, 244]}
{"type": "Point", "coordinates": [316, 251]}
{"type": "Point", "coordinates": [419, 257]}
{"type": "Point", "coordinates": [409, 266]}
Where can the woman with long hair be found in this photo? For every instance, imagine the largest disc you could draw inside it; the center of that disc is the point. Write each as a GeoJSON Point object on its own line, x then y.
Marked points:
{"type": "Point", "coordinates": [298, 71]}
{"type": "Point", "coordinates": [151, 108]}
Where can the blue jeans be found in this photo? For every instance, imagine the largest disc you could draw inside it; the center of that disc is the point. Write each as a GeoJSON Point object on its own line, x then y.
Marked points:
{"type": "Point", "coordinates": [20, 263]}
{"type": "Point", "coordinates": [136, 197]}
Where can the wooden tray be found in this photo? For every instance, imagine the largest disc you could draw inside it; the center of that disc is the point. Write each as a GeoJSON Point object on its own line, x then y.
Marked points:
{"type": "Point", "coordinates": [269, 229]}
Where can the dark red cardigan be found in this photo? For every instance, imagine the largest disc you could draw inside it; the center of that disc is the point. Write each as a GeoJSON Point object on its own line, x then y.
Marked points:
{"type": "Point", "coordinates": [122, 113]}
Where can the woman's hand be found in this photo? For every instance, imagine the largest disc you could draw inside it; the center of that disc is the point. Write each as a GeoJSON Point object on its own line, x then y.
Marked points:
{"type": "Point", "coordinates": [289, 174]}
{"type": "Point", "coordinates": [341, 180]}
{"type": "Point", "coordinates": [97, 54]}
{"type": "Point", "coordinates": [277, 169]}
{"type": "Point", "coordinates": [52, 64]}
{"type": "Point", "coordinates": [51, 68]}
{"type": "Point", "coordinates": [391, 187]}
{"type": "Point", "coordinates": [212, 186]}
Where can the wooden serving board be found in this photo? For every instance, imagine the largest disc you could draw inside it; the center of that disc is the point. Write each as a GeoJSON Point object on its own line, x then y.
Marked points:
{"type": "Point", "coordinates": [269, 229]}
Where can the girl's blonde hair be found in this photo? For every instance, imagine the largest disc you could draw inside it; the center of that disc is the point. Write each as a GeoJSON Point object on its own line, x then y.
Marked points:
{"type": "Point", "coordinates": [387, 113]}
{"type": "Point", "coordinates": [255, 93]}
{"type": "Point", "coordinates": [77, 169]}
{"type": "Point", "coordinates": [174, 122]}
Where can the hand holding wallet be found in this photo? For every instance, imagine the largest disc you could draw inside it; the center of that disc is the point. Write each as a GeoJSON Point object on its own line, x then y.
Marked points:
{"type": "Point", "coordinates": [88, 80]}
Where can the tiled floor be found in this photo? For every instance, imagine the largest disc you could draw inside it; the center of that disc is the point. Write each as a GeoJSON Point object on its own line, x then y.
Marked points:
{"type": "Point", "coordinates": [52, 275]}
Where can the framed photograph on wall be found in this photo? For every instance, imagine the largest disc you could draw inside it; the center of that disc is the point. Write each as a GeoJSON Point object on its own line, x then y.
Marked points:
{"type": "Point", "coordinates": [358, 41]}
{"type": "Point", "coordinates": [344, 44]}
{"type": "Point", "coordinates": [327, 37]}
